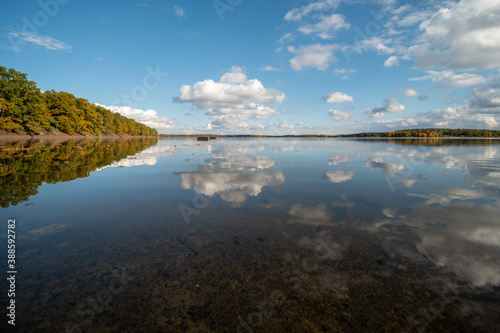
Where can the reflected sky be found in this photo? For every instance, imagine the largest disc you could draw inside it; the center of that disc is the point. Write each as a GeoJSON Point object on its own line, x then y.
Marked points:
{"type": "Point", "coordinates": [436, 204]}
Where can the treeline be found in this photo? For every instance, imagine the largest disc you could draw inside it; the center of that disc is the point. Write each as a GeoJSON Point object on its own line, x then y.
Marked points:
{"type": "Point", "coordinates": [25, 167]}
{"type": "Point", "coordinates": [444, 132]}
{"type": "Point", "coordinates": [24, 108]}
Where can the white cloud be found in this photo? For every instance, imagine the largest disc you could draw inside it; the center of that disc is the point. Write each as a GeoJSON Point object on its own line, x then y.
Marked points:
{"type": "Point", "coordinates": [339, 158]}
{"type": "Point", "coordinates": [338, 97]}
{"type": "Point", "coordinates": [377, 44]}
{"type": "Point", "coordinates": [391, 61]}
{"type": "Point", "coordinates": [148, 117]}
{"type": "Point", "coordinates": [297, 14]}
{"type": "Point", "coordinates": [271, 69]}
{"type": "Point", "coordinates": [390, 105]}
{"type": "Point", "coordinates": [410, 92]}
{"type": "Point", "coordinates": [462, 36]}
{"type": "Point", "coordinates": [233, 100]}
{"type": "Point", "coordinates": [339, 115]}
{"type": "Point", "coordinates": [313, 55]}
{"type": "Point", "coordinates": [326, 27]}
{"type": "Point", "coordinates": [40, 40]}
{"type": "Point", "coordinates": [337, 176]}
{"type": "Point", "coordinates": [179, 11]}
{"type": "Point", "coordinates": [451, 79]}
{"type": "Point", "coordinates": [468, 116]}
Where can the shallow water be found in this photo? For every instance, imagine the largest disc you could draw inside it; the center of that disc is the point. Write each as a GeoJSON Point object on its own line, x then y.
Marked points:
{"type": "Point", "coordinates": [254, 235]}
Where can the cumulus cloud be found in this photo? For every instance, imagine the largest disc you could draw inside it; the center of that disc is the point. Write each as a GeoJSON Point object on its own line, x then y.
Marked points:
{"type": "Point", "coordinates": [410, 92]}
{"type": "Point", "coordinates": [326, 27]}
{"type": "Point", "coordinates": [481, 111]}
{"type": "Point", "coordinates": [390, 105]}
{"type": "Point", "coordinates": [451, 79]}
{"type": "Point", "coordinates": [147, 117]}
{"type": "Point", "coordinates": [413, 93]}
{"type": "Point", "coordinates": [339, 115]}
{"type": "Point", "coordinates": [20, 38]}
{"type": "Point", "coordinates": [338, 97]}
{"type": "Point", "coordinates": [314, 55]}
{"type": "Point", "coordinates": [232, 100]}
{"type": "Point", "coordinates": [461, 36]}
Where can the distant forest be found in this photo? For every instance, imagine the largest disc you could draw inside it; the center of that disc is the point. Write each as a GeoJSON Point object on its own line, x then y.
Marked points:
{"type": "Point", "coordinates": [24, 108]}
{"type": "Point", "coordinates": [444, 132]}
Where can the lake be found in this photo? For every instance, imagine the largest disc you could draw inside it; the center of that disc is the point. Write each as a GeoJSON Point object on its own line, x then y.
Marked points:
{"type": "Point", "coordinates": [253, 235]}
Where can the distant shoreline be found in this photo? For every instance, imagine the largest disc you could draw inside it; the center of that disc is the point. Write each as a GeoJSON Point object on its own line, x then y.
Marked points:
{"type": "Point", "coordinates": [9, 137]}
{"type": "Point", "coordinates": [243, 136]}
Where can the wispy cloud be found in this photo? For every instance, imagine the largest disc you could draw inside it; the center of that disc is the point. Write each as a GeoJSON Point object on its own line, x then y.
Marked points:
{"type": "Point", "coordinates": [179, 11]}
{"type": "Point", "coordinates": [271, 69]}
{"type": "Point", "coordinates": [19, 38]}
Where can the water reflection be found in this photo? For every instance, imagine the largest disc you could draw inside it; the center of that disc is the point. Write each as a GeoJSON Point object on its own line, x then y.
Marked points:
{"type": "Point", "coordinates": [24, 166]}
{"type": "Point", "coordinates": [318, 235]}
{"type": "Point", "coordinates": [233, 175]}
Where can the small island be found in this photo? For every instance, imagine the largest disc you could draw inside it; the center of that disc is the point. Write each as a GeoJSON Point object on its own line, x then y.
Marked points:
{"type": "Point", "coordinates": [25, 109]}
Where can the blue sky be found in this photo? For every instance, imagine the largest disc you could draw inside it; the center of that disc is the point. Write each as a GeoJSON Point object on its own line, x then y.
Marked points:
{"type": "Point", "coordinates": [266, 67]}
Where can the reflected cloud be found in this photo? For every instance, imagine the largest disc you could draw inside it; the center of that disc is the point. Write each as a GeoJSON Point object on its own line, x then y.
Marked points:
{"type": "Point", "coordinates": [148, 156]}
{"type": "Point", "coordinates": [318, 215]}
{"type": "Point", "coordinates": [389, 169]}
{"type": "Point", "coordinates": [232, 175]}
{"type": "Point", "coordinates": [233, 186]}
{"type": "Point", "coordinates": [464, 238]}
{"type": "Point", "coordinates": [337, 176]}
{"type": "Point", "coordinates": [48, 230]}
{"type": "Point", "coordinates": [339, 158]}
{"type": "Point", "coordinates": [450, 193]}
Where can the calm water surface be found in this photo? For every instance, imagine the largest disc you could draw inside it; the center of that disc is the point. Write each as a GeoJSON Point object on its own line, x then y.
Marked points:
{"type": "Point", "coordinates": [257, 235]}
